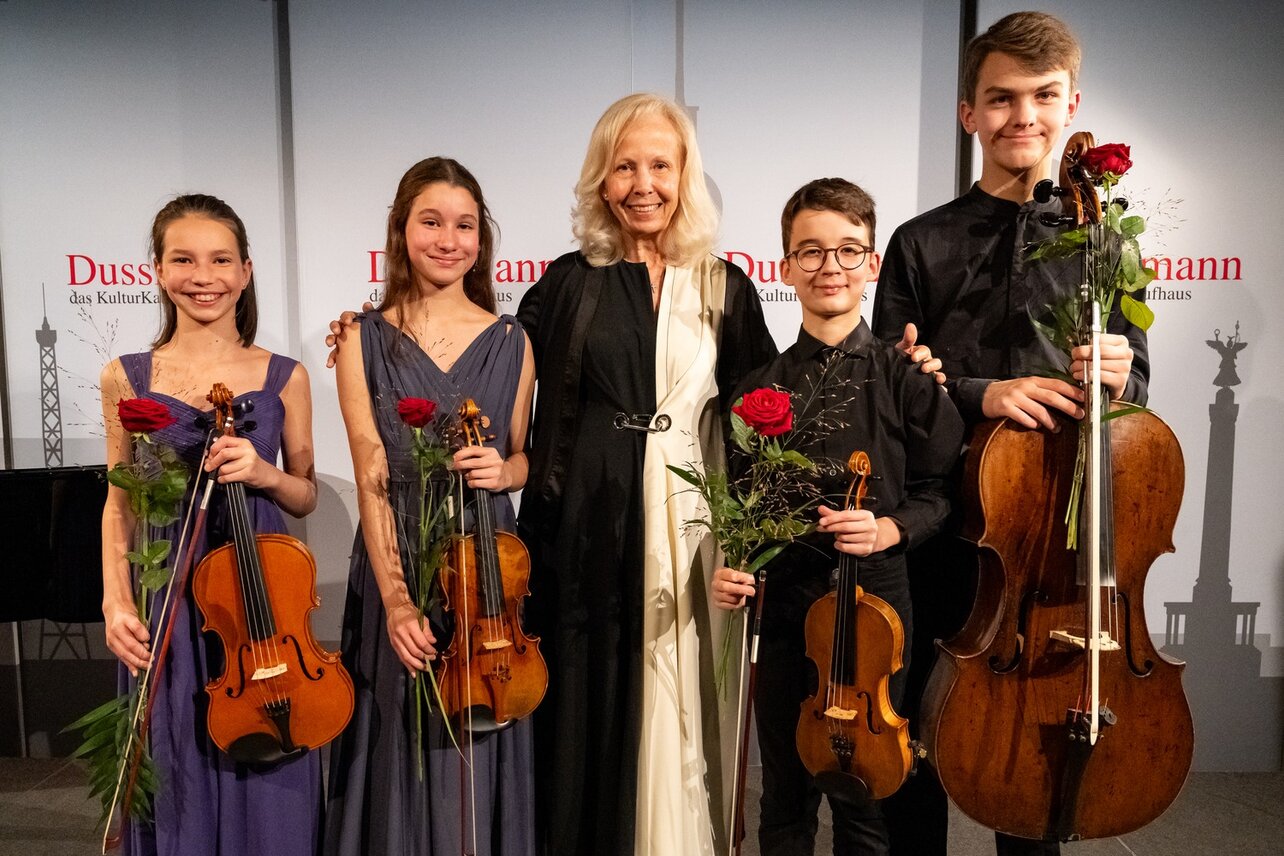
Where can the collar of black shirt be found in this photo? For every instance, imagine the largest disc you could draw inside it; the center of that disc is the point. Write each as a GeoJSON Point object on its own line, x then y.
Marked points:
{"type": "Point", "coordinates": [854, 344]}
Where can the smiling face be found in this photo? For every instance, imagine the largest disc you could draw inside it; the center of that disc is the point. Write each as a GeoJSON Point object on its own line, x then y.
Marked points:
{"type": "Point", "coordinates": [201, 270]}
{"type": "Point", "coordinates": [832, 292]}
{"type": "Point", "coordinates": [442, 235]}
{"type": "Point", "coordinates": [642, 183]}
{"type": "Point", "coordinates": [1018, 118]}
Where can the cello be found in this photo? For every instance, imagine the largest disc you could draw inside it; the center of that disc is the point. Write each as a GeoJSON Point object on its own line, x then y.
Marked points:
{"type": "Point", "coordinates": [492, 673]}
{"type": "Point", "coordinates": [1051, 715]}
{"type": "Point", "coordinates": [849, 737]}
{"type": "Point", "coordinates": [280, 693]}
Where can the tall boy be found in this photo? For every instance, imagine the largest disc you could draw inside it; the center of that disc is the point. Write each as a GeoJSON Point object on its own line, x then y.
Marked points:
{"type": "Point", "coordinates": [961, 273]}
{"type": "Point", "coordinates": [912, 433]}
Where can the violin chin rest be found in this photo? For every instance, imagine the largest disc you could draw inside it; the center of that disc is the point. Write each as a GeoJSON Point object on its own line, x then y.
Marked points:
{"type": "Point", "coordinates": [842, 785]}
{"type": "Point", "coordinates": [261, 748]}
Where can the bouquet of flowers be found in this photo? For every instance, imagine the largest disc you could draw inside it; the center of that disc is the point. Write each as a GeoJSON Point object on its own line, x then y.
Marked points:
{"type": "Point", "coordinates": [154, 480]}
{"type": "Point", "coordinates": [1113, 274]}
{"type": "Point", "coordinates": [436, 482]}
{"type": "Point", "coordinates": [762, 505]}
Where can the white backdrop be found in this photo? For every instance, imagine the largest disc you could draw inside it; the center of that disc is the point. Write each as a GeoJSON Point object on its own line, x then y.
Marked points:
{"type": "Point", "coordinates": [109, 109]}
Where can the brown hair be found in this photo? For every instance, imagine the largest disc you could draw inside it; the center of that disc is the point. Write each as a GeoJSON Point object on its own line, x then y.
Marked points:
{"type": "Point", "coordinates": [399, 285]}
{"type": "Point", "coordinates": [200, 205]}
{"type": "Point", "coordinates": [828, 194]}
{"type": "Point", "coordinates": [1039, 42]}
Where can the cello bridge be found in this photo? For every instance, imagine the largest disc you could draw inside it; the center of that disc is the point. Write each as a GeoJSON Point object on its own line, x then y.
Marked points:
{"type": "Point", "coordinates": [264, 672]}
{"type": "Point", "coordinates": [1065, 637]}
{"type": "Point", "coordinates": [836, 712]}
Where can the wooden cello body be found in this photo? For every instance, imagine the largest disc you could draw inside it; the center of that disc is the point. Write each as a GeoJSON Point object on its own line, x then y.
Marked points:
{"type": "Point", "coordinates": [492, 673]}
{"type": "Point", "coordinates": [280, 693]}
{"type": "Point", "coordinates": [1003, 704]}
{"type": "Point", "coordinates": [849, 737]}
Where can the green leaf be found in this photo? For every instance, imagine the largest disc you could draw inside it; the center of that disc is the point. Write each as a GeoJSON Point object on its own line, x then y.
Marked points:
{"type": "Point", "coordinates": [687, 476]}
{"type": "Point", "coordinates": [157, 551]}
{"type": "Point", "coordinates": [1113, 219]}
{"type": "Point", "coordinates": [1124, 411]}
{"type": "Point", "coordinates": [103, 711]}
{"type": "Point", "coordinates": [1135, 311]}
{"type": "Point", "coordinates": [798, 459]}
{"type": "Point", "coordinates": [123, 478]}
{"type": "Point", "coordinates": [1132, 226]}
{"type": "Point", "coordinates": [154, 578]}
{"type": "Point", "coordinates": [135, 558]}
{"type": "Point", "coordinates": [765, 556]}
{"type": "Point", "coordinates": [1129, 261]}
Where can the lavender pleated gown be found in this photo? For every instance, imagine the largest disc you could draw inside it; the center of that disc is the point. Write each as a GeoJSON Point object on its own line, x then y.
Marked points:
{"type": "Point", "coordinates": [208, 805]}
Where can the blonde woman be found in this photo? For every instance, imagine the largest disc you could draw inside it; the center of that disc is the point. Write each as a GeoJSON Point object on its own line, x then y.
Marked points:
{"type": "Point", "coordinates": [639, 338]}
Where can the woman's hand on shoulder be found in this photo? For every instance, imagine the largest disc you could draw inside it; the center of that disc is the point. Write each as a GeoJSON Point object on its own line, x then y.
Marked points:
{"type": "Point", "coordinates": [411, 637]}
{"type": "Point", "coordinates": [920, 355]}
{"type": "Point", "coordinates": [127, 637]}
{"type": "Point", "coordinates": [339, 332]}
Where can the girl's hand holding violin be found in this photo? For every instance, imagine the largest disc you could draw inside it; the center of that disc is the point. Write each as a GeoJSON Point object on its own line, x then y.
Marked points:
{"type": "Point", "coordinates": [412, 641]}
{"type": "Point", "coordinates": [239, 462]}
{"type": "Point", "coordinates": [730, 588]}
{"type": "Point", "coordinates": [857, 532]}
{"type": "Point", "coordinates": [127, 637]}
{"type": "Point", "coordinates": [483, 467]}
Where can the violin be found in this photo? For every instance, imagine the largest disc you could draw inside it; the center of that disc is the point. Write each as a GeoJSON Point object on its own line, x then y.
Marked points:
{"type": "Point", "coordinates": [1051, 715]}
{"type": "Point", "coordinates": [492, 673]}
{"type": "Point", "coordinates": [849, 737]}
{"type": "Point", "coordinates": [280, 693]}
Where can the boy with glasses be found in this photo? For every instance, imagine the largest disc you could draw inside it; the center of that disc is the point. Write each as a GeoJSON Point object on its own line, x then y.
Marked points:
{"type": "Point", "coordinates": [878, 402]}
{"type": "Point", "coordinates": [961, 274]}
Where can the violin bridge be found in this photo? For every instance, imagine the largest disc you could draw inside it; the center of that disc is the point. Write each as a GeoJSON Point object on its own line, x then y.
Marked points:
{"type": "Point", "coordinates": [836, 712]}
{"type": "Point", "coordinates": [1104, 640]}
{"type": "Point", "coordinates": [264, 672]}
{"type": "Point", "coordinates": [496, 644]}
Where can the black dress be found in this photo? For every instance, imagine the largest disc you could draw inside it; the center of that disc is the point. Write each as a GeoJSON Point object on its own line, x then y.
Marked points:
{"type": "Point", "coordinates": [594, 332]}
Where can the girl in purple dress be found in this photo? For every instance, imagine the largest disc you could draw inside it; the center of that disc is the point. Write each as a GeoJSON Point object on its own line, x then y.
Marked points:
{"type": "Point", "coordinates": [435, 336]}
{"type": "Point", "coordinates": [208, 805]}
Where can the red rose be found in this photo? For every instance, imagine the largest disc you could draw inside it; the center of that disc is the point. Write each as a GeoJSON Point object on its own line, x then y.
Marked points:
{"type": "Point", "coordinates": [416, 412]}
{"type": "Point", "coordinates": [767, 411]}
{"type": "Point", "coordinates": [1109, 158]}
{"type": "Point", "coordinates": [143, 414]}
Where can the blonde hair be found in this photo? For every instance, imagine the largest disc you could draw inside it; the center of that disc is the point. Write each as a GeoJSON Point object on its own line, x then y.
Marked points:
{"type": "Point", "coordinates": [694, 227]}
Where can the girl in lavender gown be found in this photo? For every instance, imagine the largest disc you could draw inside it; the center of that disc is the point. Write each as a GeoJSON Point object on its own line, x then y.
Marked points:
{"type": "Point", "coordinates": [208, 805]}
{"type": "Point", "coordinates": [435, 336]}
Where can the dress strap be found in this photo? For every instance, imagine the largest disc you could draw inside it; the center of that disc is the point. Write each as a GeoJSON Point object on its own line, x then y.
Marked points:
{"type": "Point", "coordinates": [138, 370]}
{"type": "Point", "coordinates": [279, 370]}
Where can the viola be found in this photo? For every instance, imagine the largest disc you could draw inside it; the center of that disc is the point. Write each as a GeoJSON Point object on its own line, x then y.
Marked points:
{"type": "Point", "coordinates": [492, 673]}
{"type": "Point", "coordinates": [1051, 715]}
{"type": "Point", "coordinates": [280, 693]}
{"type": "Point", "coordinates": [849, 737]}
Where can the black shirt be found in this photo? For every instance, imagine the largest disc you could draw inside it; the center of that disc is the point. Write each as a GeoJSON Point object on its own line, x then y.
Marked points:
{"type": "Point", "coordinates": [902, 418]}
{"type": "Point", "coordinates": [960, 272]}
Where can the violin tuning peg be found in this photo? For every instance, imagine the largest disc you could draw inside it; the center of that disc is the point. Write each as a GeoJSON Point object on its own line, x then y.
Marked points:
{"type": "Point", "coordinates": [202, 421]}
{"type": "Point", "coordinates": [1049, 219]}
{"type": "Point", "coordinates": [246, 406]}
{"type": "Point", "coordinates": [248, 426]}
{"type": "Point", "coordinates": [1121, 202]}
{"type": "Point", "coordinates": [1043, 190]}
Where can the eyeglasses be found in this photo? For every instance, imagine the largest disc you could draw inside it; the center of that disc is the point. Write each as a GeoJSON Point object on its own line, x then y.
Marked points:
{"type": "Point", "coordinates": [849, 256]}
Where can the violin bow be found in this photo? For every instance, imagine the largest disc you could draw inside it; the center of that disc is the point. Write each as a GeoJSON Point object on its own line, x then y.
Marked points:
{"type": "Point", "coordinates": [132, 757]}
{"type": "Point", "coordinates": [748, 651]}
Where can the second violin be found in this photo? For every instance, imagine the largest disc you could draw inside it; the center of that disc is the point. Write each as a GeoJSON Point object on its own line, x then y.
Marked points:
{"type": "Point", "coordinates": [492, 673]}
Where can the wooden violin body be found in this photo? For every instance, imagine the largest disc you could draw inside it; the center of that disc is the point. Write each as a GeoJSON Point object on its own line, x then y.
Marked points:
{"type": "Point", "coordinates": [998, 702]}
{"type": "Point", "coordinates": [492, 673]}
{"type": "Point", "coordinates": [849, 737]}
{"type": "Point", "coordinates": [280, 693]}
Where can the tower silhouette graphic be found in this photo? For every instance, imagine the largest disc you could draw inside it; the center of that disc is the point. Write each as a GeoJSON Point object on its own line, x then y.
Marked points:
{"type": "Point", "coordinates": [1236, 710]}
